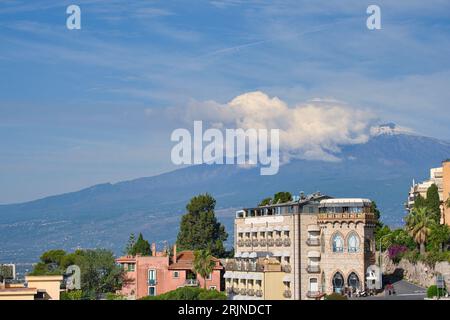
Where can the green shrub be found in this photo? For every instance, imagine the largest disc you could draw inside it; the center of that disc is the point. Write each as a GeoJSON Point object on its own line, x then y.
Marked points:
{"type": "Point", "coordinates": [72, 295]}
{"type": "Point", "coordinates": [432, 291]}
{"type": "Point", "coordinates": [432, 257]}
{"type": "Point", "coordinates": [189, 293]}
{"type": "Point", "coordinates": [114, 296]}
{"type": "Point", "coordinates": [335, 296]}
{"type": "Point", "coordinates": [412, 256]}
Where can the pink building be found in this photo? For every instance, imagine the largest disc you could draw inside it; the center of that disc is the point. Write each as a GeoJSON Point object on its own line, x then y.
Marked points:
{"type": "Point", "coordinates": [159, 273]}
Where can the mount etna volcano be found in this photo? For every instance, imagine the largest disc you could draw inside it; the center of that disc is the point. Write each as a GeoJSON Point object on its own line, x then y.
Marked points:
{"type": "Point", "coordinates": [104, 215]}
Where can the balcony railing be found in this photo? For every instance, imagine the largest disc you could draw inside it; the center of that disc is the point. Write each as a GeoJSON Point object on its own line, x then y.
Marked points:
{"type": "Point", "coordinates": [250, 292]}
{"type": "Point", "coordinates": [248, 243]}
{"type": "Point", "coordinates": [313, 242]}
{"type": "Point", "coordinates": [270, 242]}
{"type": "Point", "coordinates": [152, 282]}
{"type": "Point", "coordinates": [243, 291]}
{"type": "Point", "coordinates": [259, 293]}
{"type": "Point", "coordinates": [229, 290]}
{"type": "Point", "coordinates": [262, 242]}
{"type": "Point", "coordinates": [287, 242]}
{"type": "Point", "coordinates": [255, 242]}
{"type": "Point", "coordinates": [287, 294]}
{"type": "Point", "coordinates": [313, 269]}
{"type": "Point", "coordinates": [191, 283]}
{"type": "Point", "coordinates": [279, 242]}
{"type": "Point", "coordinates": [236, 290]}
{"type": "Point", "coordinates": [240, 243]}
{"type": "Point", "coordinates": [313, 294]}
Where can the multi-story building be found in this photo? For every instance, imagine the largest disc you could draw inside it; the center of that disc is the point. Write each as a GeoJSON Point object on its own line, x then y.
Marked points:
{"type": "Point", "coordinates": [301, 249]}
{"type": "Point", "coordinates": [436, 177]}
{"type": "Point", "coordinates": [441, 178]}
{"type": "Point", "coordinates": [160, 273]}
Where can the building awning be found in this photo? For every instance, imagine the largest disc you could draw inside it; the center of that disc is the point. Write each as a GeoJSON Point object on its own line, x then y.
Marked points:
{"type": "Point", "coordinates": [313, 228]}
{"type": "Point", "coordinates": [253, 255]}
{"type": "Point", "coordinates": [287, 278]}
{"type": "Point", "coordinates": [245, 255]}
{"type": "Point", "coordinates": [237, 254]}
{"type": "Point", "coordinates": [257, 276]}
{"type": "Point", "coordinates": [313, 254]}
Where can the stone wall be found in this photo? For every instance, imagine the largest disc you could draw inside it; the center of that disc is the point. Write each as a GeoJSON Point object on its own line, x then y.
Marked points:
{"type": "Point", "coordinates": [418, 273]}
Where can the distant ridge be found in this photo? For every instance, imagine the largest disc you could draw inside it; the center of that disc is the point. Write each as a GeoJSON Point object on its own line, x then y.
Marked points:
{"type": "Point", "coordinates": [104, 215]}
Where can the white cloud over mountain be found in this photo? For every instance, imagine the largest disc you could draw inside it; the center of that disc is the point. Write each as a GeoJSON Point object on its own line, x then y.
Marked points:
{"type": "Point", "coordinates": [314, 130]}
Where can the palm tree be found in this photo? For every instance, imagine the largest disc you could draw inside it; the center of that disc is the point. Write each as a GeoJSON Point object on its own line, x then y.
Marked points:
{"type": "Point", "coordinates": [203, 264]}
{"type": "Point", "coordinates": [419, 224]}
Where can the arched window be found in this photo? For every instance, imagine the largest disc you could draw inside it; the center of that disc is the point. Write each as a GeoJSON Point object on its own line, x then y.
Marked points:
{"type": "Point", "coordinates": [338, 243]}
{"type": "Point", "coordinates": [353, 242]}
{"type": "Point", "coordinates": [338, 282]}
{"type": "Point", "coordinates": [353, 281]}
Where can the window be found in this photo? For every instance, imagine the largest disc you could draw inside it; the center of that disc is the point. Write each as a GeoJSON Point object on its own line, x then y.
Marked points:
{"type": "Point", "coordinates": [152, 276]}
{"type": "Point", "coordinates": [311, 209]}
{"type": "Point", "coordinates": [338, 243]}
{"type": "Point", "coordinates": [212, 287]}
{"type": "Point", "coordinates": [176, 274]}
{"type": "Point", "coordinates": [131, 267]}
{"type": "Point", "coordinates": [353, 243]}
{"type": "Point", "coordinates": [338, 282]}
{"type": "Point", "coordinates": [313, 285]}
{"type": "Point", "coordinates": [152, 291]}
{"type": "Point", "coordinates": [209, 277]}
{"type": "Point", "coordinates": [353, 281]}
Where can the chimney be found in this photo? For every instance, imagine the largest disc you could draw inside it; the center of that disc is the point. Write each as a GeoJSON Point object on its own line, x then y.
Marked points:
{"type": "Point", "coordinates": [174, 259]}
{"type": "Point", "coordinates": [153, 249]}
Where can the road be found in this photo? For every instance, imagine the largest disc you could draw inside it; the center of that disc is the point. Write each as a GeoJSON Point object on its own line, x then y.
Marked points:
{"type": "Point", "coordinates": [404, 291]}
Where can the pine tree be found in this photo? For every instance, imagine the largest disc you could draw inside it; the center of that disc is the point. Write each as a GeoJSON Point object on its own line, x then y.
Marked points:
{"type": "Point", "coordinates": [199, 228]}
{"type": "Point", "coordinates": [130, 244]}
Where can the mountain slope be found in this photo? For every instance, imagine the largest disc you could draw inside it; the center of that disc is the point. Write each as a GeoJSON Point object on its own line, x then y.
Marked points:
{"type": "Point", "coordinates": [105, 214]}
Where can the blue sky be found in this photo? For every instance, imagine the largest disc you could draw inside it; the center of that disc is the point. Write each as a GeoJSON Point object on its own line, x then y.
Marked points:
{"type": "Point", "coordinates": [80, 107]}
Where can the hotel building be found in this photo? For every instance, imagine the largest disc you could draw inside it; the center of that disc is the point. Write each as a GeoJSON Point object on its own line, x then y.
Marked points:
{"type": "Point", "coordinates": [441, 178]}
{"type": "Point", "coordinates": [301, 249]}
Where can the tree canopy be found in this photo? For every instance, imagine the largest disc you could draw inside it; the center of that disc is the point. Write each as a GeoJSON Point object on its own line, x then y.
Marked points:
{"type": "Point", "coordinates": [141, 246]}
{"type": "Point", "coordinates": [199, 228]}
{"type": "Point", "coordinates": [279, 197]}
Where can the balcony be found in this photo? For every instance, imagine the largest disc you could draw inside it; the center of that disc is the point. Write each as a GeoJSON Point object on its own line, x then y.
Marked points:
{"type": "Point", "coordinates": [191, 283]}
{"type": "Point", "coordinates": [259, 293]}
{"type": "Point", "coordinates": [313, 269]}
{"type": "Point", "coordinates": [314, 294]}
{"type": "Point", "coordinates": [313, 242]}
{"type": "Point", "coordinates": [287, 242]}
{"type": "Point", "coordinates": [250, 292]}
{"type": "Point", "coordinates": [248, 243]}
{"type": "Point", "coordinates": [255, 242]}
{"type": "Point", "coordinates": [243, 291]}
{"type": "Point", "coordinates": [236, 290]}
{"type": "Point", "coordinates": [287, 294]}
{"type": "Point", "coordinates": [240, 243]}
{"type": "Point", "coordinates": [286, 268]}
{"type": "Point", "coordinates": [262, 242]}
{"type": "Point", "coordinates": [270, 242]}
{"type": "Point", "coordinates": [229, 290]}
{"type": "Point", "coordinates": [152, 282]}
{"type": "Point", "coordinates": [279, 242]}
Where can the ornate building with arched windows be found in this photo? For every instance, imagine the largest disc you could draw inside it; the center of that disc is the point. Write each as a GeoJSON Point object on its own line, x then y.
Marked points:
{"type": "Point", "coordinates": [302, 249]}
